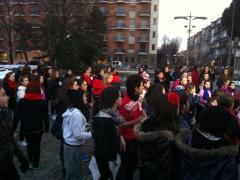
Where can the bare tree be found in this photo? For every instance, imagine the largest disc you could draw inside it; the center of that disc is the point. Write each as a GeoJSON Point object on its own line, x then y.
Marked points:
{"type": "Point", "coordinates": [7, 21]}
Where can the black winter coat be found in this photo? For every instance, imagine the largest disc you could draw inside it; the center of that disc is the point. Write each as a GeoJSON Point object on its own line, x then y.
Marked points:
{"type": "Point", "coordinates": [158, 154]}
{"type": "Point", "coordinates": [8, 145]}
{"type": "Point", "coordinates": [107, 143]}
{"type": "Point", "coordinates": [202, 164]}
{"type": "Point", "coordinates": [33, 115]}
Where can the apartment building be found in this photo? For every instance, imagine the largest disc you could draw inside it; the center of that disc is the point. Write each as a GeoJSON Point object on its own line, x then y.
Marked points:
{"type": "Point", "coordinates": [131, 36]}
{"type": "Point", "coordinates": [16, 10]}
{"type": "Point", "coordinates": [210, 44]}
{"type": "Point", "coordinates": [132, 31]}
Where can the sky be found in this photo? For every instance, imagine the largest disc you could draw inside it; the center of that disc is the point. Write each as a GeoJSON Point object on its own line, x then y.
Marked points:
{"type": "Point", "coordinates": [168, 9]}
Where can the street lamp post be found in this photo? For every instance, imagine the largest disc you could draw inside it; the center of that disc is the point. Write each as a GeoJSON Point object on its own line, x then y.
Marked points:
{"type": "Point", "coordinates": [189, 18]}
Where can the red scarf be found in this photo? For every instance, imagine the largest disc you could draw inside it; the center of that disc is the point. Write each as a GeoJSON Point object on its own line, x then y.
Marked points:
{"type": "Point", "coordinates": [33, 96]}
{"type": "Point", "coordinates": [88, 79]}
{"type": "Point", "coordinates": [12, 85]}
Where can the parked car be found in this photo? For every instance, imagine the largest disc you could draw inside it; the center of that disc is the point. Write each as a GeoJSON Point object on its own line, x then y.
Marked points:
{"type": "Point", "coordinates": [116, 64]}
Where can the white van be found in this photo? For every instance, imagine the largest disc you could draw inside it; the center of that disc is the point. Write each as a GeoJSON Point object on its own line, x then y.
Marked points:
{"type": "Point", "coordinates": [116, 64]}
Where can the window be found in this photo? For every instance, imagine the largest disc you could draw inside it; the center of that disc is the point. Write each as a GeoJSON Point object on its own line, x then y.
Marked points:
{"type": "Point", "coordinates": [154, 34]}
{"type": "Point", "coordinates": [132, 33]}
{"type": "Point", "coordinates": [35, 10]}
{"type": "Point", "coordinates": [155, 7]}
{"type": "Point", "coordinates": [126, 59]}
{"type": "Point", "coordinates": [18, 11]}
{"type": "Point", "coordinates": [154, 21]}
{"type": "Point", "coordinates": [120, 35]}
{"type": "Point", "coordinates": [132, 23]}
{"type": "Point", "coordinates": [152, 60]}
{"type": "Point", "coordinates": [153, 47]}
{"type": "Point", "coordinates": [132, 59]}
{"type": "Point", "coordinates": [120, 10]}
{"type": "Point", "coordinates": [132, 13]}
{"type": "Point", "coordinates": [103, 10]}
{"type": "Point", "coordinates": [35, 24]}
{"type": "Point", "coordinates": [131, 46]}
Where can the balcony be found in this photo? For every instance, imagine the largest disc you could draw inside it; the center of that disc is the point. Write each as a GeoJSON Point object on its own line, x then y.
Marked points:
{"type": "Point", "coordinates": [102, 1]}
{"type": "Point", "coordinates": [19, 14]}
{"type": "Point", "coordinates": [144, 26]}
{"type": "Point", "coordinates": [145, 1]}
{"type": "Point", "coordinates": [120, 39]}
{"type": "Point", "coordinates": [143, 52]}
{"type": "Point", "coordinates": [144, 13]}
{"type": "Point", "coordinates": [120, 1]}
{"type": "Point", "coordinates": [144, 39]}
{"type": "Point", "coordinates": [119, 51]}
{"type": "Point", "coordinates": [120, 13]}
{"type": "Point", "coordinates": [120, 26]}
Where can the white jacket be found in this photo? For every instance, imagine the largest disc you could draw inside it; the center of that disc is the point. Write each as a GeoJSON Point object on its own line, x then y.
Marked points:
{"type": "Point", "coordinates": [74, 127]}
{"type": "Point", "coordinates": [21, 92]}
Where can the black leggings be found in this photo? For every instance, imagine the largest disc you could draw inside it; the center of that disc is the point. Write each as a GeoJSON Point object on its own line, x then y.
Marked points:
{"type": "Point", "coordinates": [130, 159]}
{"type": "Point", "coordinates": [33, 148]}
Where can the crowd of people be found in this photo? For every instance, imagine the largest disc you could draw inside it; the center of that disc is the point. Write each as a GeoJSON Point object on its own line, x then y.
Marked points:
{"type": "Point", "coordinates": [181, 124]}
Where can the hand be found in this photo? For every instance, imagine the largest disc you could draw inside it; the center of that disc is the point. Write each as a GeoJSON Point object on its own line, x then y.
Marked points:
{"type": "Point", "coordinates": [123, 144]}
{"type": "Point", "coordinates": [24, 164]}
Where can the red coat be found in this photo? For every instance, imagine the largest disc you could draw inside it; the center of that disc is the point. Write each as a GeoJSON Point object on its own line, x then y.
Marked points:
{"type": "Point", "coordinates": [98, 87]}
{"type": "Point", "coordinates": [195, 77]}
{"type": "Point", "coordinates": [88, 79]}
{"type": "Point", "coordinates": [116, 78]}
{"type": "Point", "coordinates": [130, 110]}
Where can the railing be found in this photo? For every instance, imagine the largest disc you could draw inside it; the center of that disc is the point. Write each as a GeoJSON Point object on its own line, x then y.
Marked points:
{"type": "Point", "coordinates": [144, 39]}
{"type": "Point", "coordinates": [120, 26]}
{"type": "Point", "coordinates": [120, 39]}
{"type": "Point", "coordinates": [143, 51]}
{"type": "Point", "coordinates": [144, 13]}
{"type": "Point", "coordinates": [119, 51]}
{"type": "Point", "coordinates": [120, 13]}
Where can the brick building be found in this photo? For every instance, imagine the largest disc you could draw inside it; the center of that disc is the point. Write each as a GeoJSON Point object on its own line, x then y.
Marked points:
{"type": "Point", "coordinates": [132, 27]}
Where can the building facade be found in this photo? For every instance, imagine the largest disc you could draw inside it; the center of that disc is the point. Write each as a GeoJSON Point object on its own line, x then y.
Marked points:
{"type": "Point", "coordinates": [212, 43]}
{"type": "Point", "coordinates": [131, 36]}
{"type": "Point", "coordinates": [132, 31]}
{"type": "Point", "coordinates": [11, 13]}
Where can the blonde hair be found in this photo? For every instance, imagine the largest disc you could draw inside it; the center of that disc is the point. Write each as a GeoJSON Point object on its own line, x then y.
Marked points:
{"type": "Point", "coordinates": [105, 77]}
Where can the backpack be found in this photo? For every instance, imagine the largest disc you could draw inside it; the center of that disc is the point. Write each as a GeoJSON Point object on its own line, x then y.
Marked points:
{"type": "Point", "coordinates": [56, 129]}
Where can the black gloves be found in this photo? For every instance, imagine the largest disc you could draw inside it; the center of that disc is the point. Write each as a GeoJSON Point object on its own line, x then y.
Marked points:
{"type": "Point", "coordinates": [24, 164]}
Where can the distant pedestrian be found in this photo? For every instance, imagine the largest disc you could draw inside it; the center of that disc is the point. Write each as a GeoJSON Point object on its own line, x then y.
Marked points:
{"type": "Point", "coordinates": [32, 113]}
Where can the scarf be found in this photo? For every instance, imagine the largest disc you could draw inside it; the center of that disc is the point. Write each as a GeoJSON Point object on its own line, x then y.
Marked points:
{"type": "Point", "coordinates": [33, 96]}
{"type": "Point", "coordinates": [206, 94]}
{"type": "Point", "coordinates": [12, 85]}
{"type": "Point", "coordinates": [118, 119]}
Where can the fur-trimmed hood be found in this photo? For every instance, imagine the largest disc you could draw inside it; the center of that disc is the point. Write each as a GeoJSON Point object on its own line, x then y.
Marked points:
{"type": "Point", "coordinates": [182, 141]}
{"type": "Point", "coordinates": [149, 136]}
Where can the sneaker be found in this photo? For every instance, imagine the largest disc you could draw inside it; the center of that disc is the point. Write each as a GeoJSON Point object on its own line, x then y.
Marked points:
{"type": "Point", "coordinates": [22, 143]}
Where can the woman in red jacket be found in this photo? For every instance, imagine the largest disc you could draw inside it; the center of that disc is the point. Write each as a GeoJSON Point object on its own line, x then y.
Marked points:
{"type": "Point", "coordinates": [98, 87]}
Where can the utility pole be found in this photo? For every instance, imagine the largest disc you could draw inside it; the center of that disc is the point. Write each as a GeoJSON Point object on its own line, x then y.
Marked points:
{"type": "Point", "coordinates": [189, 18]}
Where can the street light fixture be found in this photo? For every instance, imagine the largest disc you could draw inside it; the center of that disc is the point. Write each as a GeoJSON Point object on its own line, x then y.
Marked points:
{"type": "Point", "coordinates": [189, 18]}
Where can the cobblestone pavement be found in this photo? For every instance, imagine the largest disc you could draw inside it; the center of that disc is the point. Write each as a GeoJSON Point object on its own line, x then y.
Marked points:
{"type": "Point", "coordinates": [50, 166]}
